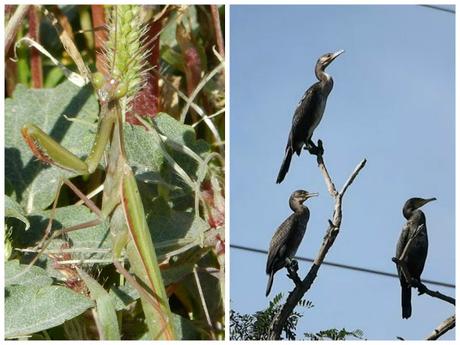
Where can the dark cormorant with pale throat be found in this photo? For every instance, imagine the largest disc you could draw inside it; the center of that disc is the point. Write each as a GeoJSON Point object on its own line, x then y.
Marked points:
{"type": "Point", "coordinates": [417, 251]}
{"type": "Point", "coordinates": [287, 238]}
{"type": "Point", "coordinates": [308, 114]}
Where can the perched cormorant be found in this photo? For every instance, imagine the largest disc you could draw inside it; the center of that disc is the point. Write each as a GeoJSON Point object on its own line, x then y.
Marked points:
{"type": "Point", "coordinates": [308, 114]}
{"type": "Point", "coordinates": [417, 251]}
{"type": "Point", "coordinates": [288, 236]}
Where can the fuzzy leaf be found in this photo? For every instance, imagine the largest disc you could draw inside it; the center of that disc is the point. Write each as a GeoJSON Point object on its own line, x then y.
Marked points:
{"type": "Point", "coordinates": [30, 309]}
{"type": "Point", "coordinates": [16, 274]}
{"type": "Point", "coordinates": [13, 209]}
{"type": "Point", "coordinates": [35, 184]}
{"type": "Point", "coordinates": [167, 224]}
{"type": "Point", "coordinates": [123, 296]}
{"type": "Point", "coordinates": [87, 243]}
{"type": "Point", "coordinates": [144, 151]}
{"type": "Point", "coordinates": [105, 308]}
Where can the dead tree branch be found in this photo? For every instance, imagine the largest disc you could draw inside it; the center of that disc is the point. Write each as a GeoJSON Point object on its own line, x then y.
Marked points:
{"type": "Point", "coordinates": [422, 289]}
{"type": "Point", "coordinates": [331, 233]}
{"type": "Point", "coordinates": [445, 326]}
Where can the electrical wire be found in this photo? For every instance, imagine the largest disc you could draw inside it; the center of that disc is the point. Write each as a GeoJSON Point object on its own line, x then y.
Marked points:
{"type": "Point", "coordinates": [439, 8]}
{"type": "Point", "coordinates": [348, 267]}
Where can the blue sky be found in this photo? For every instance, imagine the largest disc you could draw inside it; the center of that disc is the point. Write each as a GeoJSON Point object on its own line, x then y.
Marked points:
{"type": "Point", "coordinates": [393, 103]}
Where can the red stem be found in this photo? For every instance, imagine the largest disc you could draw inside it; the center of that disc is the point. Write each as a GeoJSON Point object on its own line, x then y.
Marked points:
{"type": "Point", "coordinates": [100, 35]}
{"type": "Point", "coordinates": [35, 58]}
{"type": "Point", "coordinates": [217, 30]}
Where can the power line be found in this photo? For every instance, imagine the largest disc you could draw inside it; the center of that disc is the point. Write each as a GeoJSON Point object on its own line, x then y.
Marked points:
{"type": "Point", "coordinates": [348, 267]}
{"type": "Point", "coordinates": [439, 8]}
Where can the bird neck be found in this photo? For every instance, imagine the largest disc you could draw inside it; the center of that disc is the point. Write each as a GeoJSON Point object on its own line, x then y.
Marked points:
{"type": "Point", "coordinates": [297, 207]}
{"type": "Point", "coordinates": [410, 211]}
{"type": "Point", "coordinates": [324, 78]}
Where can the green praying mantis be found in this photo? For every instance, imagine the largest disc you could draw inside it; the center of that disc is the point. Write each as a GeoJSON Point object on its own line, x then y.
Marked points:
{"type": "Point", "coordinates": [121, 195]}
{"type": "Point", "coordinates": [121, 206]}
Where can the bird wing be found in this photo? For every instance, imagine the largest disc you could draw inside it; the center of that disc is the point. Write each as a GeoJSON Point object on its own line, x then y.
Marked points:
{"type": "Point", "coordinates": [304, 121]}
{"type": "Point", "coordinates": [417, 251]}
{"type": "Point", "coordinates": [403, 238]}
{"type": "Point", "coordinates": [277, 250]}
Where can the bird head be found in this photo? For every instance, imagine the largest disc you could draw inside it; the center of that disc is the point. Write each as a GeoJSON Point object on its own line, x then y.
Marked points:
{"type": "Point", "coordinates": [326, 59]}
{"type": "Point", "coordinates": [415, 203]}
{"type": "Point", "coordinates": [302, 195]}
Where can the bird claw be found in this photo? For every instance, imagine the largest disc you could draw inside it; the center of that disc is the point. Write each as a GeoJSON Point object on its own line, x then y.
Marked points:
{"type": "Point", "coordinates": [320, 147]}
{"type": "Point", "coordinates": [294, 266]}
{"type": "Point", "coordinates": [317, 150]}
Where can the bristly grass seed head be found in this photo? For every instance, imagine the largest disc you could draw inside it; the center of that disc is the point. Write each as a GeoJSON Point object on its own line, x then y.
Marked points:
{"type": "Point", "coordinates": [126, 49]}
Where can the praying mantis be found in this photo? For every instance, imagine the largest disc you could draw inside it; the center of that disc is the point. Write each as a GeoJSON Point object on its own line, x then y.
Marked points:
{"type": "Point", "coordinates": [122, 208]}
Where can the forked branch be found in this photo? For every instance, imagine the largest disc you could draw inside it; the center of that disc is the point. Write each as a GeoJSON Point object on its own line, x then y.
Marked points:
{"type": "Point", "coordinates": [331, 233]}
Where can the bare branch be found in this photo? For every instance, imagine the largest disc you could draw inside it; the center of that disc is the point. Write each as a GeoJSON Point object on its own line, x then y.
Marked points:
{"type": "Point", "coordinates": [353, 176]}
{"type": "Point", "coordinates": [327, 178]}
{"type": "Point", "coordinates": [445, 326]}
{"type": "Point", "coordinates": [422, 289]}
{"type": "Point", "coordinates": [331, 233]}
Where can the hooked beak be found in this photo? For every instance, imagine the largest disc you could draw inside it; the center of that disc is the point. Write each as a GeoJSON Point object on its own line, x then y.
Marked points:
{"type": "Point", "coordinates": [428, 200]}
{"type": "Point", "coordinates": [310, 195]}
{"type": "Point", "coordinates": [422, 202]}
{"type": "Point", "coordinates": [337, 54]}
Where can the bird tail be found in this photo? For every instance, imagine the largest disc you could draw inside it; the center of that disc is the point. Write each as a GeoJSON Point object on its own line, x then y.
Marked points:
{"type": "Point", "coordinates": [269, 284]}
{"type": "Point", "coordinates": [285, 165]}
{"type": "Point", "coordinates": [405, 301]}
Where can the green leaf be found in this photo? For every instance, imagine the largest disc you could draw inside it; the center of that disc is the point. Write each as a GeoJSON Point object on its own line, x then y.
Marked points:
{"type": "Point", "coordinates": [166, 224]}
{"type": "Point", "coordinates": [144, 150]}
{"type": "Point", "coordinates": [16, 274]}
{"type": "Point", "coordinates": [105, 308]}
{"type": "Point", "coordinates": [123, 296]}
{"type": "Point", "coordinates": [13, 209]}
{"type": "Point", "coordinates": [30, 309]}
{"type": "Point", "coordinates": [184, 328]}
{"type": "Point", "coordinates": [87, 243]}
{"type": "Point", "coordinates": [34, 183]}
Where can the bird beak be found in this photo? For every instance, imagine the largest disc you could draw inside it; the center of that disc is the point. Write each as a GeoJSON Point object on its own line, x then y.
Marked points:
{"type": "Point", "coordinates": [337, 54]}
{"type": "Point", "coordinates": [425, 201]}
{"type": "Point", "coordinates": [310, 195]}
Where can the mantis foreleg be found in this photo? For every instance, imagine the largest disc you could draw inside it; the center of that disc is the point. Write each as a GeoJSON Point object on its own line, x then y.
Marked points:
{"type": "Point", "coordinates": [50, 151]}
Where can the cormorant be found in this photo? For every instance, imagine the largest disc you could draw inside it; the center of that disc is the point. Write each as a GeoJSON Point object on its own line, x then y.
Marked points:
{"type": "Point", "coordinates": [416, 253]}
{"type": "Point", "coordinates": [308, 114]}
{"type": "Point", "coordinates": [288, 236]}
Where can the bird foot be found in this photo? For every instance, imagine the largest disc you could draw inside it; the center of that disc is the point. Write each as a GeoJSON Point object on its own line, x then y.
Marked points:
{"type": "Point", "coordinates": [418, 284]}
{"type": "Point", "coordinates": [292, 268]}
{"type": "Point", "coordinates": [294, 265]}
{"type": "Point", "coordinates": [317, 150]}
